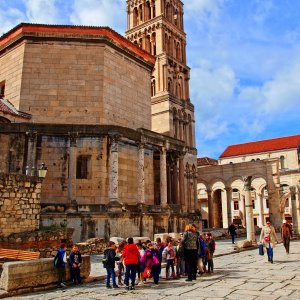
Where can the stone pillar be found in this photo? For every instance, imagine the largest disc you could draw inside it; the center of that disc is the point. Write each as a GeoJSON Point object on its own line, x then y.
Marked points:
{"type": "Point", "coordinates": [114, 169]}
{"type": "Point", "coordinates": [249, 209]}
{"type": "Point", "coordinates": [195, 197]}
{"type": "Point", "coordinates": [175, 183]}
{"type": "Point", "coordinates": [242, 209]}
{"type": "Point", "coordinates": [229, 200]}
{"type": "Point", "coordinates": [181, 181]}
{"type": "Point", "coordinates": [210, 209]}
{"type": "Point", "coordinates": [141, 174]}
{"type": "Point", "coordinates": [295, 214]}
{"type": "Point", "coordinates": [31, 153]}
{"type": "Point", "coordinates": [163, 177]}
{"type": "Point", "coordinates": [261, 210]}
{"type": "Point", "coordinates": [72, 168]}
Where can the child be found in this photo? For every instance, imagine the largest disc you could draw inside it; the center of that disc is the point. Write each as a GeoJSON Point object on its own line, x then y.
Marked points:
{"type": "Point", "coordinates": [201, 255]}
{"type": "Point", "coordinates": [169, 254]}
{"type": "Point", "coordinates": [141, 266]}
{"type": "Point", "coordinates": [119, 260]}
{"type": "Point", "coordinates": [180, 265]}
{"type": "Point", "coordinates": [152, 264]}
{"type": "Point", "coordinates": [60, 261]}
{"type": "Point", "coordinates": [211, 247]}
{"type": "Point", "coordinates": [109, 264]}
{"type": "Point", "coordinates": [75, 265]}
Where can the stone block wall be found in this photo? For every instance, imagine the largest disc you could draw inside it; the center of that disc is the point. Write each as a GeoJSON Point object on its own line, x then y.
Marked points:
{"type": "Point", "coordinates": [19, 203]}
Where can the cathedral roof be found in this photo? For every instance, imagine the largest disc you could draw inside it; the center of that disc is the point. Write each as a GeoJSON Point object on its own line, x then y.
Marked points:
{"type": "Point", "coordinates": [282, 143]}
{"type": "Point", "coordinates": [7, 108]}
{"type": "Point", "coordinates": [70, 31]}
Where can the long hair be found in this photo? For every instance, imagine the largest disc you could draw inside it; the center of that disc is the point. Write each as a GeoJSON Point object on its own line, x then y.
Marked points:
{"type": "Point", "coordinates": [190, 227]}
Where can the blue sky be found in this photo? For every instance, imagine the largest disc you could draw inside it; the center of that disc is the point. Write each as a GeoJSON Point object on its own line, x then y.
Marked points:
{"type": "Point", "coordinates": [244, 57]}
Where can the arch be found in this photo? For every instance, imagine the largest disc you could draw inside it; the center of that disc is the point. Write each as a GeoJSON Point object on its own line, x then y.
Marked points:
{"type": "Point", "coordinates": [4, 120]}
{"type": "Point", "coordinates": [218, 184]}
{"type": "Point", "coordinates": [170, 85]}
{"type": "Point", "coordinates": [135, 16]}
{"type": "Point", "coordinates": [141, 13]}
{"type": "Point", "coordinates": [147, 11]}
{"type": "Point", "coordinates": [153, 43]}
{"type": "Point", "coordinates": [153, 87]}
{"type": "Point", "coordinates": [169, 12]}
{"type": "Point", "coordinates": [258, 182]}
{"type": "Point", "coordinates": [175, 123]}
{"type": "Point", "coordinates": [190, 130]}
{"type": "Point", "coordinates": [148, 44]}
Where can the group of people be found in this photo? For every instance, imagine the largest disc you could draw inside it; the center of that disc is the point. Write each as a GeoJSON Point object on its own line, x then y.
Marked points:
{"type": "Point", "coordinates": [192, 253]}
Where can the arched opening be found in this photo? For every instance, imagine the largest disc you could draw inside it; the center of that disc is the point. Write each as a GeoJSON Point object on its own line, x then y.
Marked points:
{"type": "Point", "coordinates": [141, 13]}
{"type": "Point", "coordinates": [166, 43]}
{"type": "Point", "coordinates": [4, 120]}
{"type": "Point", "coordinates": [169, 12]}
{"type": "Point", "coordinates": [217, 208]}
{"type": "Point", "coordinates": [176, 17]}
{"type": "Point", "coordinates": [170, 85]}
{"type": "Point", "coordinates": [153, 43]}
{"type": "Point", "coordinates": [178, 51]}
{"type": "Point", "coordinates": [153, 10]}
{"type": "Point", "coordinates": [153, 90]}
{"type": "Point", "coordinates": [175, 122]}
{"type": "Point", "coordinates": [282, 162]}
{"type": "Point", "coordinates": [135, 16]}
{"type": "Point", "coordinates": [148, 44]}
{"type": "Point", "coordinates": [147, 11]}
{"type": "Point", "coordinates": [190, 131]}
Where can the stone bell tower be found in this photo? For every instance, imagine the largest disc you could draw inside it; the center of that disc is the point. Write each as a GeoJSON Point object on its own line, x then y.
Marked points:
{"type": "Point", "coordinates": [157, 27]}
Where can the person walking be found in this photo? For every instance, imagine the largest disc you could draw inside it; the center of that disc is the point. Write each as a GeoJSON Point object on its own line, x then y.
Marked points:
{"type": "Point", "coordinates": [201, 255]}
{"type": "Point", "coordinates": [268, 238]}
{"type": "Point", "coordinates": [169, 255]}
{"type": "Point", "coordinates": [286, 235]}
{"type": "Point", "coordinates": [131, 260]}
{"type": "Point", "coordinates": [231, 230]}
{"type": "Point", "coordinates": [191, 244]}
{"type": "Point", "coordinates": [109, 261]}
{"type": "Point", "coordinates": [211, 247]}
{"type": "Point", "coordinates": [60, 262]}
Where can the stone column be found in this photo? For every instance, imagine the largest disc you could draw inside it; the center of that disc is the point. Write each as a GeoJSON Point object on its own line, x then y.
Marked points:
{"type": "Point", "coordinates": [31, 153]}
{"type": "Point", "coordinates": [229, 200]}
{"type": "Point", "coordinates": [210, 209]}
{"type": "Point", "coordinates": [141, 174]}
{"type": "Point", "coordinates": [181, 181]}
{"type": "Point", "coordinates": [163, 177]}
{"type": "Point", "coordinates": [114, 169]}
{"type": "Point", "coordinates": [242, 209]}
{"type": "Point", "coordinates": [261, 210]}
{"type": "Point", "coordinates": [175, 183]}
{"type": "Point", "coordinates": [72, 168]}
{"type": "Point", "coordinates": [249, 209]}
{"type": "Point", "coordinates": [295, 214]}
{"type": "Point", "coordinates": [196, 206]}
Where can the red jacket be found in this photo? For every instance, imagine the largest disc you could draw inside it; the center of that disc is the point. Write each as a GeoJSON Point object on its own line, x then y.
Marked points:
{"type": "Point", "coordinates": [131, 254]}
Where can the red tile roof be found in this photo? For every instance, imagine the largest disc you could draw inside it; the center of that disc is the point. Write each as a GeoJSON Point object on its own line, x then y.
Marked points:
{"type": "Point", "coordinates": [288, 142]}
{"type": "Point", "coordinates": [7, 108]}
{"type": "Point", "coordinates": [206, 161]}
{"type": "Point", "coordinates": [78, 31]}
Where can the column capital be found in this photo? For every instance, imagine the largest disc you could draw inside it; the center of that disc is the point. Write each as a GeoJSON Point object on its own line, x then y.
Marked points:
{"type": "Point", "coordinates": [247, 182]}
{"type": "Point", "coordinates": [228, 189]}
{"type": "Point", "coordinates": [32, 135]}
{"type": "Point", "coordinates": [73, 136]}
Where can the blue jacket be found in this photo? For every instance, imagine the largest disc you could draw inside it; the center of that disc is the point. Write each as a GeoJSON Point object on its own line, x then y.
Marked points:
{"type": "Point", "coordinates": [202, 248]}
{"type": "Point", "coordinates": [59, 259]}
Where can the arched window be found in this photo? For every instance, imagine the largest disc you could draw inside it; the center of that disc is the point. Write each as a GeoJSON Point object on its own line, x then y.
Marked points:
{"type": "Point", "coordinates": [148, 44]}
{"type": "Point", "coordinates": [153, 43]}
{"type": "Point", "coordinates": [147, 11]}
{"type": "Point", "coordinates": [282, 162]}
{"type": "Point", "coordinates": [135, 16]}
{"type": "Point", "coordinates": [153, 90]}
{"type": "Point", "coordinates": [191, 142]}
{"type": "Point", "coordinates": [175, 122]}
{"type": "Point", "coordinates": [141, 12]}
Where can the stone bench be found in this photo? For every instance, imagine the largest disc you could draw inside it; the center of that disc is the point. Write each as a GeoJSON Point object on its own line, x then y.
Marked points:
{"type": "Point", "coordinates": [35, 275]}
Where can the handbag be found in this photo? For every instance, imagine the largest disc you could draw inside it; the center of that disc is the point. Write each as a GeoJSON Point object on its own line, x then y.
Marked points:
{"type": "Point", "coordinates": [261, 249]}
{"type": "Point", "coordinates": [267, 239]}
{"type": "Point", "coordinates": [147, 272]}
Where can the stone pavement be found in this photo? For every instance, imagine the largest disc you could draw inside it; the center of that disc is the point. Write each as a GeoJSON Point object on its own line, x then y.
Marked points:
{"type": "Point", "coordinates": [244, 275]}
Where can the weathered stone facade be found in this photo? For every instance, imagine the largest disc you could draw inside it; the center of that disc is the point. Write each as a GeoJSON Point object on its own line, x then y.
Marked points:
{"type": "Point", "coordinates": [19, 203]}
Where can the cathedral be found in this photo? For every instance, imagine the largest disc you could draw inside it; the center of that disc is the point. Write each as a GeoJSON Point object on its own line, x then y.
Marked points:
{"type": "Point", "coordinates": [110, 117]}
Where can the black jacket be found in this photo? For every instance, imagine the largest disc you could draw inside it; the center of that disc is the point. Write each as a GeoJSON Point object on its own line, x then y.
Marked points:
{"type": "Point", "coordinates": [110, 255]}
{"type": "Point", "coordinates": [75, 258]}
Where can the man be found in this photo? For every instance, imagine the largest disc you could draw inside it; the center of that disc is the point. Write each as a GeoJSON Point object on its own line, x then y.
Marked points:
{"type": "Point", "coordinates": [286, 235]}
{"type": "Point", "coordinates": [231, 230]}
{"type": "Point", "coordinates": [109, 264]}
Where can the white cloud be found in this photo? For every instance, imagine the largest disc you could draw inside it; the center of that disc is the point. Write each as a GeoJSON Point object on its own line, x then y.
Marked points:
{"type": "Point", "coordinates": [10, 18]}
{"type": "Point", "coordinates": [42, 11]}
{"type": "Point", "coordinates": [99, 13]}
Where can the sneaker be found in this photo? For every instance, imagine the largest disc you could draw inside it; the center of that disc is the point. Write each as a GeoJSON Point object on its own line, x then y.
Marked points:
{"type": "Point", "coordinates": [63, 285]}
{"type": "Point", "coordinates": [126, 288]}
{"type": "Point", "coordinates": [115, 286]}
{"type": "Point", "coordinates": [132, 287]}
{"type": "Point", "coordinates": [155, 285]}
{"type": "Point", "coordinates": [108, 286]}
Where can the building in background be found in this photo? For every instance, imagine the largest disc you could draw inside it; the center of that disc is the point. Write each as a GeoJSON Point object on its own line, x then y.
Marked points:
{"type": "Point", "coordinates": [116, 133]}
{"type": "Point", "coordinates": [275, 169]}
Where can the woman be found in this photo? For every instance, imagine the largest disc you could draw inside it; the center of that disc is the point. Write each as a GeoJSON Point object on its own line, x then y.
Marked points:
{"type": "Point", "coordinates": [268, 238]}
{"type": "Point", "coordinates": [190, 243]}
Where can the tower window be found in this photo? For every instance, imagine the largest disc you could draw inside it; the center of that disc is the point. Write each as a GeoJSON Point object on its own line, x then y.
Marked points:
{"type": "Point", "coordinates": [2, 89]}
{"type": "Point", "coordinates": [83, 167]}
{"type": "Point", "coordinates": [282, 162]}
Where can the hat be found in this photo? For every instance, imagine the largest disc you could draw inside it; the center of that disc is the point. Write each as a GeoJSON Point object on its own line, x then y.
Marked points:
{"type": "Point", "coordinates": [284, 221]}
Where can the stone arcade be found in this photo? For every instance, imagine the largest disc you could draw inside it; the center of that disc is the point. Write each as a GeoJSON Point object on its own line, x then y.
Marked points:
{"type": "Point", "coordinates": [114, 124]}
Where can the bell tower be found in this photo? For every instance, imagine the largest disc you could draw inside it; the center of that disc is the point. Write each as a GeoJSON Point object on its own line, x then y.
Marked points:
{"type": "Point", "coordinates": [157, 27]}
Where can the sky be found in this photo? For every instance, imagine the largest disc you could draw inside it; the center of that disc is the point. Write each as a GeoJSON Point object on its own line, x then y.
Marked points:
{"type": "Point", "coordinates": [244, 57]}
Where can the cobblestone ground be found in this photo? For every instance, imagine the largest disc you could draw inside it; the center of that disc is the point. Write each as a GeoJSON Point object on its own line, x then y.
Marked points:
{"type": "Point", "coordinates": [244, 275]}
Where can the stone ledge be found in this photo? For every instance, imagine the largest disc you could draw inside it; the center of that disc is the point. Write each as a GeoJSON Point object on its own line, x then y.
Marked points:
{"type": "Point", "coordinates": [28, 276]}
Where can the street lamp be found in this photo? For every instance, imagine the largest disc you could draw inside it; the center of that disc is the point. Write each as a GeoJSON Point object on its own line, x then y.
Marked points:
{"type": "Point", "coordinates": [42, 171]}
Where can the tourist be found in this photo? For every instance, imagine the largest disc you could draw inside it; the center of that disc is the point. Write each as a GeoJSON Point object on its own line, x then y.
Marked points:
{"type": "Point", "coordinates": [141, 265]}
{"type": "Point", "coordinates": [131, 259]}
{"type": "Point", "coordinates": [60, 262]}
{"type": "Point", "coordinates": [152, 264]}
{"type": "Point", "coordinates": [201, 255]}
{"type": "Point", "coordinates": [75, 261]}
{"type": "Point", "coordinates": [286, 235]}
{"type": "Point", "coordinates": [169, 255]}
{"type": "Point", "coordinates": [109, 262]}
{"type": "Point", "coordinates": [180, 265]}
{"type": "Point", "coordinates": [211, 247]}
{"type": "Point", "coordinates": [231, 230]}
{"type": "Point", "coordinates": [268, 238]}
{"type": "Point", "coordinates": [190, 243]}
{"type": "Point", "coordinates": [120, 263]}
{"type": "Point", "coordinates": [160, 248]}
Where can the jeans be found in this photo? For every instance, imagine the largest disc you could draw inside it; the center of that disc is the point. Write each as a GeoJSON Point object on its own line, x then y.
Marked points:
{"type": "Point", "coordinates": [61, 274]}
{"type": "Point", "coordinates": [270, 252]}
{"type": "Point", "coordinates": [110, 273]}
{"type": "Point", "coordinates": [180, 267]}
{"type": "Point", "coordinates": [155, 273]}
{"type": "Point", "coordinates": [232, 238]}
{"type": "Point", "coordinates": [191, 258]}
{"type": "Point", "coordinates": [286, 244]}
{"type": "Point", "coordinates": [130, 273]}
{"type": "Point", "coordinates": [75, 275]}
{"type": "Point", "coordinates": [210, 264]}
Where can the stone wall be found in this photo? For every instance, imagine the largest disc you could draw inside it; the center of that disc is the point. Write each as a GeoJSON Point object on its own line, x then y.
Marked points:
{"type": "Point", "coordinates": [36, 275]}
{"type": "Point", "coordinates": [20, 203]}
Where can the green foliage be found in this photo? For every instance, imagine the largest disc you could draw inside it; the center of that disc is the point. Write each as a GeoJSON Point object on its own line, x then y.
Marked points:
{"type": "Point", "coordinates": [53, 227]}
